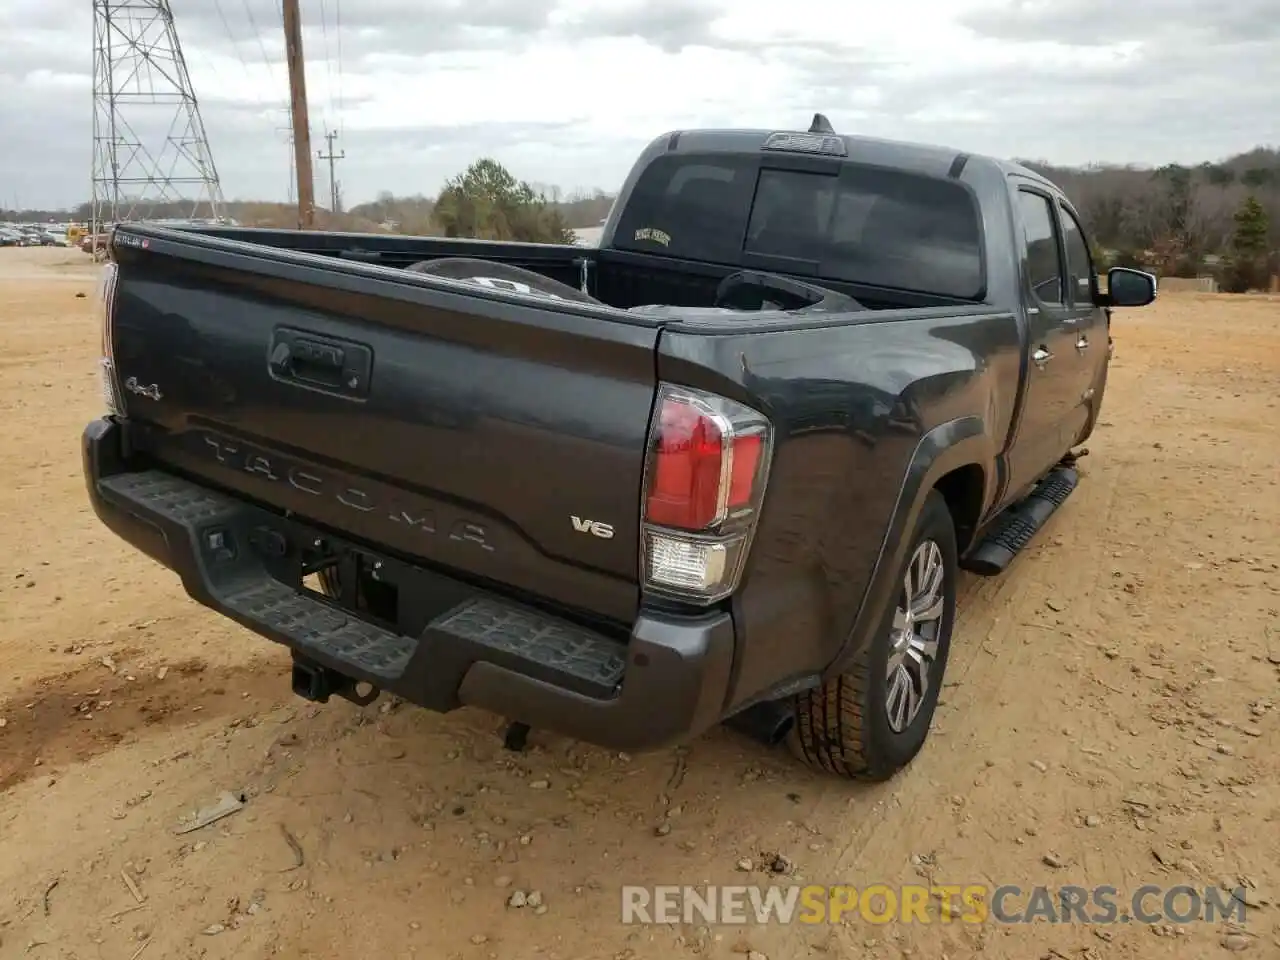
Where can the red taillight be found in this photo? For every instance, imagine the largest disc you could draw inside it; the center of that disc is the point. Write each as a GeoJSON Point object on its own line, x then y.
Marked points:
{"type": "Point", "coordinates": [708, 460]}
{"type": "Point", "coordinates": [746, 466]}
{"type": "Point", "coordinates": [688, 454]}
{"type": "Point", "coordinates": [701, 468]}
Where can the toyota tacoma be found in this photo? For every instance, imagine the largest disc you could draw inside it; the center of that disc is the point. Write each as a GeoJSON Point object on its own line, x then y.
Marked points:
{"type": "Point", "coordinates": [724, 467]}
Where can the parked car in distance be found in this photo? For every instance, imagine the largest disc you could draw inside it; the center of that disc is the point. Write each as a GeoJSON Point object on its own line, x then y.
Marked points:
{"type": "Point", "coordinates": [95, 242]}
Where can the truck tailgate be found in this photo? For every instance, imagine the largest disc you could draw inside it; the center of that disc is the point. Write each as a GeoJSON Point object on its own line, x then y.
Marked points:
{"type": "Point", "coordinates": [483, 435]}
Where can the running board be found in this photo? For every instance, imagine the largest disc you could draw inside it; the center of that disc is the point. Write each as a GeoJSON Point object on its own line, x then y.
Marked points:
{"type": "Point", "coordinates": [1016, 527]}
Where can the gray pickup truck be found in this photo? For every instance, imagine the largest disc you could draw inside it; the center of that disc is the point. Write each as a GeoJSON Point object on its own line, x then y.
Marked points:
{"type": "Point", "coordinates": [724, 467]}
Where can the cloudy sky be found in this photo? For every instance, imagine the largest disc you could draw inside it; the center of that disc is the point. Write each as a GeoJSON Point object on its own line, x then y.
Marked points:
{"type": "Point", "coordinates": [566, 91]}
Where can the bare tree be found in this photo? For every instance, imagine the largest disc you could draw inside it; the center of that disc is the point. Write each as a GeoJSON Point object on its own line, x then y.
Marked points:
{"type": "Point", "coordinates": [1210, 220]}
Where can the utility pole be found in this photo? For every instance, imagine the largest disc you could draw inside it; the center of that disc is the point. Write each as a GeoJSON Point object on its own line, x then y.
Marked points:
{"type": "Point", "coordinates": [332, 157]}
{"type": "Point", "coordinates": [301, 122]}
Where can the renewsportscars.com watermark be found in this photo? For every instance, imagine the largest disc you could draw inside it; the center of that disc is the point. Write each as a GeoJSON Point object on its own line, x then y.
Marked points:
{"type": "Point", "coordinates": [938, 903]}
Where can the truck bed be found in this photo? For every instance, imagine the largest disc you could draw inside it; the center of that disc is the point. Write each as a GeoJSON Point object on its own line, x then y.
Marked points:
{"type": "Point", "coordinates": [618, 278]}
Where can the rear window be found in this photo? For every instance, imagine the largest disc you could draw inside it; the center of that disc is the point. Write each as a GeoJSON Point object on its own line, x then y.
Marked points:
{"type": "Point", "coordinates": [692, 207]}
{"type": "Point", "coordinates": [867, 225]}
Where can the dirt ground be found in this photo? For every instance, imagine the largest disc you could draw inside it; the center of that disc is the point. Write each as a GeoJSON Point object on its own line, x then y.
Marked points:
{"type": "Point", "coordinates": [1110, 717]}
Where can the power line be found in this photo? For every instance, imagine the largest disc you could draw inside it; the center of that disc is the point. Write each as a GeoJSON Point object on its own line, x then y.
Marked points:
{"type": "Point", "coordinates": [287, 136]}
{"type": "Point", "coordinates": [208, 61]}
{"type": "Point", "coordinates": [270, 103]}
{"type": "Point", "coordinates": [337, 29]}
{"type": "Point", "coordinates": [328, 66]}
{"type": "Point", "coordinates": [262, 47]}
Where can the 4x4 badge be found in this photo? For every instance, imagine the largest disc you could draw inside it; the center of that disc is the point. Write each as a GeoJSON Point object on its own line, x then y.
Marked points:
{"type": "Point", "coordinates": [152, 391]}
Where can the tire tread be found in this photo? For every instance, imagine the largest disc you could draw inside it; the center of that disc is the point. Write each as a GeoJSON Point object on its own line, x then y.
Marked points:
{"type": "Point", "coordinates": [830, 727]}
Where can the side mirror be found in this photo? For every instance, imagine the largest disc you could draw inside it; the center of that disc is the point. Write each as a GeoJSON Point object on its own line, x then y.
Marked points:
{"type": "Point", "coordinates": [1129, 288]}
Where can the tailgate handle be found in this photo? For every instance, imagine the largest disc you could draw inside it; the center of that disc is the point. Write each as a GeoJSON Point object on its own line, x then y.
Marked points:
{"type": "Point", "coordinates": [336, 366]}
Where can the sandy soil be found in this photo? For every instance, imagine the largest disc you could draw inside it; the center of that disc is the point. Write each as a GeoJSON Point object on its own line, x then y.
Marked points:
{"type": "Point", "coordinates": [1110, 717]}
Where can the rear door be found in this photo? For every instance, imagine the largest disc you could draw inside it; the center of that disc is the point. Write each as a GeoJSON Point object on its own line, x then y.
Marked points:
{"type": "Point", "coordinates": [497, 437]}
{"type": "Point", "coordinates": [1092, 334]}
{"type": "Point", "coordinates": [1052, 391]}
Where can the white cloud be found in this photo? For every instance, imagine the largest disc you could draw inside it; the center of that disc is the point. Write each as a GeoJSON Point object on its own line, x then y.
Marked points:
{"type": "Point", "coordinates": [566, 92]}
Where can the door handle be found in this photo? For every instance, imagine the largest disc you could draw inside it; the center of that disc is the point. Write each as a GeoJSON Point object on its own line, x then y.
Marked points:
{"type": "Point", "coordinates": [336, 366]}
{"type": "Point", "coordinates": [1041, 357]}
{"type": "Point", "coordinates": [1082, 343]}
{"type": "Point", "coordinates": [307, 360]}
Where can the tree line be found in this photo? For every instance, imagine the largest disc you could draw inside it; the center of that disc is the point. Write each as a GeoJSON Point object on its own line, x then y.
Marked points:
{"type": "Point", "coordinates": [485, 201]}
{"type": "Point", "coordinates": [1218, 219]}
{"type": "Point", "coordinates": [1213, 219]}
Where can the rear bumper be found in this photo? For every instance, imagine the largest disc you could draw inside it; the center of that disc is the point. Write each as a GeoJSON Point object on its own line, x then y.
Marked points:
{"type": "Point", "coordinates": [667, 683]}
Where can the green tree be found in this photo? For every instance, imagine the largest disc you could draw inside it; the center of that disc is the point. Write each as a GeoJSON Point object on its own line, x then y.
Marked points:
{"type": "Point", "coordinates": [1248, 265]}
{"type": "Point", "coordinates": [1250, 237]}
{"type": "Point", "coordinates": [488, 203]}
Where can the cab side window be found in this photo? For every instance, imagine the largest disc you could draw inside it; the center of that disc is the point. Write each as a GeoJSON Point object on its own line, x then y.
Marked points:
{"type": "Point", "coordinates": [1079, 266]}
{"type": "Point", "coordinates": [1044, 252]}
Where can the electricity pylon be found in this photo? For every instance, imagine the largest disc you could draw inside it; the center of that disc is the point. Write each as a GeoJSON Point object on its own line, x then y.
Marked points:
{"type": "Point", "coordinates": [151, 157]}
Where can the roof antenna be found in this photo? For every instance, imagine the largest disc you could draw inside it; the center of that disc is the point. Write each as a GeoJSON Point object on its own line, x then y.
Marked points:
{"type": "Point", "coordinates": [821, 125]}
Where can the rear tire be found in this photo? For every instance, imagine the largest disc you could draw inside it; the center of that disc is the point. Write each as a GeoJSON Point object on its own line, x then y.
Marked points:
{"type": "Point", "coordinates": [329, 582]}
{"type": "Point", "coordinates": [864, 724]}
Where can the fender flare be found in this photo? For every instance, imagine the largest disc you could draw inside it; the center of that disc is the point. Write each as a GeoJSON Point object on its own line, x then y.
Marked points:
{"type": "Point", "coordinates": [946, 447]}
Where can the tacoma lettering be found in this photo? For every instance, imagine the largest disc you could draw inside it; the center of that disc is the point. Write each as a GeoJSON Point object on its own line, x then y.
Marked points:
{"type": "Point", "coordinates": [276, 469]}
